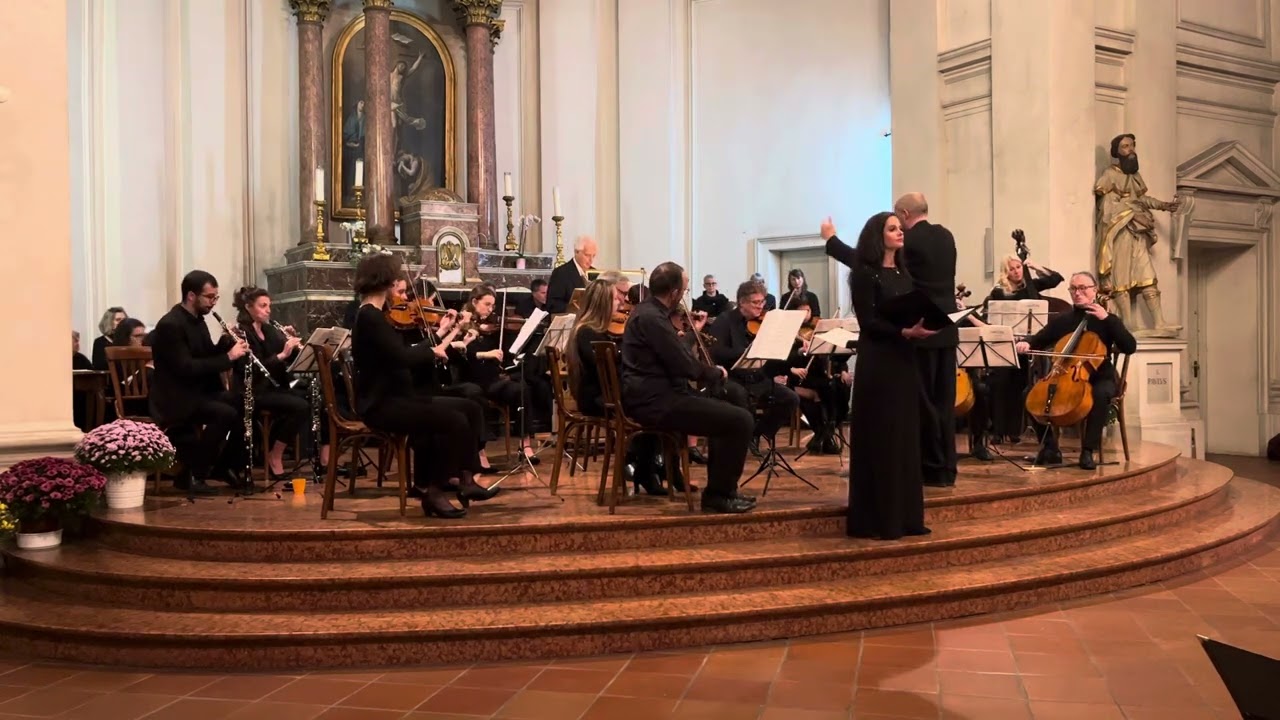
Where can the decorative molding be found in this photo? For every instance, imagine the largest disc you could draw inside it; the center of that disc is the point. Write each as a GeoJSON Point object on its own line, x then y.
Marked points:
{"type": "Point", "coordinates": [379, 4]}
{"type": "Point", "coordinates": [1262, 19]}
{"type": "Point", "coordinates": [1195, 107]}
{"type": "Point", "coordinates": [1112, 94]}
{"type": "Point", "coordinates": [1111, 42]}
{"type": "Point", "coordinates": [955, 61]}
{"type": "Point", "coordinates": [1263, 180]}
{"type": "Point", "coordinates": [965, 108]}
{"type": "Point", "coordinates": [316, 11]}
{"type": "Point", "coordinates": [1263, 74]}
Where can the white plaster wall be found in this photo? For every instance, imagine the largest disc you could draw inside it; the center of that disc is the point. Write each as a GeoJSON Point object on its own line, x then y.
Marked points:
{"type": "Point", "coordinates": [1232, 403]}
{"type": "Point", "coordinates": [515, 86]}
{"type": "Point", "coordinates": [798, 137]}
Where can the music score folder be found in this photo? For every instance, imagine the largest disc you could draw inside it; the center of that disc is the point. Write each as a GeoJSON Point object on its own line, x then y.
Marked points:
{"type": "Point", "coordinates": [906, 310]}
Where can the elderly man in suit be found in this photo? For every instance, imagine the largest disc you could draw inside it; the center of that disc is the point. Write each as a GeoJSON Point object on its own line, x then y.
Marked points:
{"type": "Point", "coordinates": [930, 251]}
{"type": "Point", "coordinates": [571, 275]}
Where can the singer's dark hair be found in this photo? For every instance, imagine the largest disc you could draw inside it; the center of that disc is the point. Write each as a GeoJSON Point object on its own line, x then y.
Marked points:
{"type": "Point", "coordinates": [871, 242]}
{"type": "Point", "coordinates": [195, 281]}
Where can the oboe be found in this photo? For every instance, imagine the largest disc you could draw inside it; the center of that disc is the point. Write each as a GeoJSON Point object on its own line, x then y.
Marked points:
{"type": "Point", "coordinates": [248, 402]}
{"type": "Point", "coordinates": [253, 359]}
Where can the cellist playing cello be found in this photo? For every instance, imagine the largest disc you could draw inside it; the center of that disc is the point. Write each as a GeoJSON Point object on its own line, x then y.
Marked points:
{"type": "Point", "coordinates": [1114, 336]}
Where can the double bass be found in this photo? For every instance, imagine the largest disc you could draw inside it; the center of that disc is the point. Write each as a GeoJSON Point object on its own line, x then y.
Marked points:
{"type": "Point", "coordinates": [1064, 396]}
{"type": "Point", "coordinates": [965, 397]}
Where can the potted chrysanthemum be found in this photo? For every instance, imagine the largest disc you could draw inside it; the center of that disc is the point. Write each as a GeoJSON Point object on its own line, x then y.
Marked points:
{"type": "Point", "coordinates": [126, 451]}
{"type": "Point", "coordinates": [41, 493]}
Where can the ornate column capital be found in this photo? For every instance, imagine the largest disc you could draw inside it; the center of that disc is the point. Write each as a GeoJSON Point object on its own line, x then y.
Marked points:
{"type": "Point", "coordinates": [480, 12]}
{"type": "Point", "coordinates": [377, 4]}
{"type": "Point", "coordinates": [310, 10]}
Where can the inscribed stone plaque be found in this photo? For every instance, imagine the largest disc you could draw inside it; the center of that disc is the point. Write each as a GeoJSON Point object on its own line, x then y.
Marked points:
{"type": "Point", "coordinates": [1160, 383]}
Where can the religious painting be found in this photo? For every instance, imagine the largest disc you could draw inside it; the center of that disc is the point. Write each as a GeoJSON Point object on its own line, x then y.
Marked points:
{"type": "Point", "coordinates": [422, 96]}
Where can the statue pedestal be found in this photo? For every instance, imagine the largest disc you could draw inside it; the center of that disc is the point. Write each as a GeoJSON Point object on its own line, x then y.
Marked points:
{"type": "Point", "coordinates": [1153, 401]}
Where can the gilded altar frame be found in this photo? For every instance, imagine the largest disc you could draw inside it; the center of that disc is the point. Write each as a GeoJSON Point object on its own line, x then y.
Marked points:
{"type": "Point", "coordinates": [341, 211]}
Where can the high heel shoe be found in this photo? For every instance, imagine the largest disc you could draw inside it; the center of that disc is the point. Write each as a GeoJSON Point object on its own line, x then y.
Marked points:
{"type": "Point", "coordinates": [436, 506]}
{"type": "Point", "coordinates": [530, 455]}
{"type": "Point", "coordinates": [469, 490]}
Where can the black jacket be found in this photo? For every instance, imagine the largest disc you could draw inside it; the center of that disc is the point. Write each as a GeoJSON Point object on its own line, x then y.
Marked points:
{"type": "Point", "coordinates": [267, 349]}
{"type": "Point", "coordinates": [656, 364]}
{"type": "Point", "coordinates": [189, 365]}
{"type": "Point", "coordinates": [564, 280]}
{"type": "Point", "coordinates": [732, 339]}
{"type": "Point", "coordinates": [382, 361]}
{"type": "Point", "coordinates": [710, 305]}
{"type": "Point", "coordinates": [100, 345]}
{"type": "Point", "coordinates": [930, 252]}
{"type": "Point", "coordinates": [814, 307]}
{"type": "Point", "coordinates": [1111, 332]}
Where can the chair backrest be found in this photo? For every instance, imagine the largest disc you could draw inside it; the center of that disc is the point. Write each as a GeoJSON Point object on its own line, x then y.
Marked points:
{"type": "Point", "coordinates": [129, 378]}
{"type": "Point", "coordinates": [324, 371]}
{"type": "Point", "coordinates": [610, 381]}
{"type": "Point", "coordinates": [1120, 361]}
{"type": "Point", "coordinates": [563, 398]}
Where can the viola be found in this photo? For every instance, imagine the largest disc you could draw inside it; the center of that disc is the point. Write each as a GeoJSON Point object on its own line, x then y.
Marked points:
{"type": "Point", "coordinates": [1064, 396]}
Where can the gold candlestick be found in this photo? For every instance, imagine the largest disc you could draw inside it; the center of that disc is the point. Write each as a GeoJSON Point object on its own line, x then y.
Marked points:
{"type": "Point", "coordinates": [559, 221]}
{"type": "Point", "coordinates": [359, 236]}
{"type": "Point", "coordinates": [511, 235]}
{"type": "Point", "coordinates": [321, 253]}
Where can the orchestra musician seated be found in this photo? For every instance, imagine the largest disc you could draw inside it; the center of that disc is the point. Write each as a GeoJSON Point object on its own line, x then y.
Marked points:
{"type": "Point", "coordinates": [592, 325]}
{"type": "Point", "coordinates": [656, 370]}
{"type": "Point", "coordinates": [276, 347]}
{"type": "Point", "coordinates": [484, 364]}
{"type": "Point", "coordinates": [187, 396]}
{"type": "Point", "coordinates": [1115, 337]}
{"type": "Point", "coordinates": [808, 377]}
{"type": "Point", "coordinates": [536, 299]}
{"type": "Point", "coordinates": [443, 431]}
{"type": "Point", "coordinates": [766, 387]}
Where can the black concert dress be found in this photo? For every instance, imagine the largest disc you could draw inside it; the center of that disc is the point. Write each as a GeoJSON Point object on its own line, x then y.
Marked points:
{"type": "Point", "coordinates": [886, 485]}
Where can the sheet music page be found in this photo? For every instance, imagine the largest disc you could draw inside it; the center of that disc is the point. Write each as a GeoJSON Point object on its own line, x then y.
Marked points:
{"type": "Point", "coordinates": [845, 323]}
{"type": "Point", "coordinates": [557, 336]}
{"type": "Point", "coordinates": [526, 331]}
{"type": "Point", "coordinates": [777, 335]}
{"type": "Point", "coordinates": [839, 337]}
{"type": "Point", "coordinates": [995, 333]}
{"type": "Point", "coordinates": [987, 347]}
{"type": "Point", "coordinates": [956, 317]}
{"type": "Point", "coordinates": [334, 337]}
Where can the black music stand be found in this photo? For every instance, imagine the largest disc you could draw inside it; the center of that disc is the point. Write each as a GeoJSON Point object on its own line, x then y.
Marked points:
{"type": "Point", "coordinates": [840, 343]}
{"type": "Point", "coordinates": [519, 359]}
{"type": "Point", "coordinates": [305, 363]}
{"type": "Point", "coordinates": [990, 347]}
{"type": "Point", "coordinates": [1250, 678]}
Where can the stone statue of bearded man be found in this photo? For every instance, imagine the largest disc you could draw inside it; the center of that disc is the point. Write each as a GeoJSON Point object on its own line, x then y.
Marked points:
{"type": "Point", "coordinates": [1125, 234]}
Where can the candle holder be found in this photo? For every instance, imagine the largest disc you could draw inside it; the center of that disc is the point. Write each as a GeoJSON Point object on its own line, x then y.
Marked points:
{"type": "Point", "coordinates": [511, 227]}
{"type": "Point", "coordinates": [559, 221]}
{"type": "Point", "coordinates": [359, 235]}
{"type": "Point", "coordinates": [321, 253]}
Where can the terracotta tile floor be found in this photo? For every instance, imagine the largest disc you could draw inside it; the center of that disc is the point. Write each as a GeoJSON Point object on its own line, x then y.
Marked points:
{"type": "Point", "coordinates": [1129, 655]}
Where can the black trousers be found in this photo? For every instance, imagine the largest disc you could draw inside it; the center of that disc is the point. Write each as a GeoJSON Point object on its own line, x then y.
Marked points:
{"type": "Point", "coordinates": [776, 402]}
{"type": "Point", "coordinates": [937, 367]}
{"type": "Point", "coordinates": [1104, 389]}
{"type": "Point", "coordinates": [289, 411]}
{"type": "Point", "coordinates": [979, 418]}
{"type": "Point", "coordinates": [201, 437]}
{"type": "Point", "coordinates": [442, 431]}
{"type": "Point", "coordinates": [728, 432]}
{"type": "Point", "coordinates": [474, 394]}
{"type": "Point", "coordinates": [532, 399]}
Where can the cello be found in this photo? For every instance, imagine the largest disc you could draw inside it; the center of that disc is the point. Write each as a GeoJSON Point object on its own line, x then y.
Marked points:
{"type": "Point", "coordinates": [965, 397]}
{"type": "Point", "coordinates": [1064, 395]}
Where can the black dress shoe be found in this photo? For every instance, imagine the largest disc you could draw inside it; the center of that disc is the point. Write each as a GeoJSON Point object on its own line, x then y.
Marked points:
{"type": "Point", "coordinates": [472, 490]}
{"type": "Point", "coordinates": [830, 446]}
{"type": "Point", "coordinates": [979, 450]}
{"type": "Point", "coordinates": [1086, 460]}
{"type": "Point", "coordinates": [696, 457]}
{"type": "Point", "coordinates": [732, 505]}
{"type": "Point", "coordinates": [439, 507]}
{"type": "Point", "coordinates": [194, 487]}
{"type": "Point", "coordinates": [648, 482]}
{"type": "Point", "coordinates": [745, 498]}
{"type": "Point", "coordinates": [1049, 456]}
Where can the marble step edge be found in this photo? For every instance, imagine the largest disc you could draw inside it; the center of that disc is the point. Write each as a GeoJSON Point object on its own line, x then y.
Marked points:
{"type": "Point", "coordinates": [1255, 512]}
{"type": "Point", "coordinates": [545, 586]}
{"type": "Point", "coordinates": [91, 562]}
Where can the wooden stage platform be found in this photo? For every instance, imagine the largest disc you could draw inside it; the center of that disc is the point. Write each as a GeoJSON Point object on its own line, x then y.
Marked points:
{"type": "Point", "coordinates": [262, 583]}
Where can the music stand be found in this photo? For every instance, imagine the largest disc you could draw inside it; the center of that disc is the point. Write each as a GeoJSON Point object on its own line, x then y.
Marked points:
{"type": "Point", "coordinates": [1250, 678]}
{"type": "Point", "coordinates": [526, 332]}
{"type": "Point", "coordinates": [1026, 317]}
{"type": "Point", "coordinates": [989, 347]}
{"type": "Point", "coordinates": [833, 336]}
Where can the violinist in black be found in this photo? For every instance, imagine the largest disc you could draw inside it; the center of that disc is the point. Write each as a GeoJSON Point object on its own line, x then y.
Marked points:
{"type": "Point", "coordinates": [484, 364]}
{"type": "Point", "coordinates": [809, 377]}
{"type": "Point", "coordinates": [1015, 280]}
{"type": "Point", "coordinates": [767, 387]}
{"type": "Point", "coordinates": [1111, 330]}
{"type": "Point", "coordinates": [443, 431]}
{"type": "Point", "coordinates": [276, 350]}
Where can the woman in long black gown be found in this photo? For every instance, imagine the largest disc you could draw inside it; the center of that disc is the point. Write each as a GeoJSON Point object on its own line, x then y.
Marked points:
{"type": "Point", "coordinates": [886, 487]}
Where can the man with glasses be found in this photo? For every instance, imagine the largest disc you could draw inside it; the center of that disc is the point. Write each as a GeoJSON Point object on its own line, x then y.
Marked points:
{"type": "Point", "coordinates": [711, 301]}
{"type": "Point", "coordinates": [1114, 335]}
{"type": "Point", "coordinates": [187, 395]}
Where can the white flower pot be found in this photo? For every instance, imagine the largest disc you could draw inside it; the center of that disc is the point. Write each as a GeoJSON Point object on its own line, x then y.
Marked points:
{"type": "Point", "coordinates": [126, 490]}
{"type": "Point", "coordinates": [39, 541]}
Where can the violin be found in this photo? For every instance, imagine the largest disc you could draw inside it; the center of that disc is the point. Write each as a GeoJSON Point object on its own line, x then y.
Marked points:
{"type": "Point", "coordinates": [965, 397]}
{"type": "Point", "coordinates": [412, 314]}
{"type": "Point", "coordinates": [618, 321]}
{"type": "Point", "coordinates": [1064, 395]}
{"type": "Point", "coordinates": [753, 326]}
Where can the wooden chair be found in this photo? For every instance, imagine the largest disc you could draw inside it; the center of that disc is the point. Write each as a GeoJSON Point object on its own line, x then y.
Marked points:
{"type": "Point", "coordinates": [504, 417]}
{"type": "Point", "coordinates": [621, 430]}
{"type": "Point", "coordinates": [570, 424]}
{"type": "Point", "coordinates": [130, 381]}
{"type": "Point", "coordinates": [345, 433]}
{"type": "Point", "coordinates": [1120, 362]}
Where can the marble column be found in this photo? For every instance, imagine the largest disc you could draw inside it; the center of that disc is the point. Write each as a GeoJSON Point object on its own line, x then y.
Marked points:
{"type": "Point", "coordinates": [379, 165]}
{"type": "Point", "coordinates": [35, 199]}
{"type": "Point", "coordinates": [479, 19]}
{"type": "Point", "coordinates": [311, 15]}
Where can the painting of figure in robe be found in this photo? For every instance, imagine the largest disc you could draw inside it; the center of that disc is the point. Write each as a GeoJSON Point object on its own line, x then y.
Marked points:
{"type": "Point", "coordinates": [422, 95]}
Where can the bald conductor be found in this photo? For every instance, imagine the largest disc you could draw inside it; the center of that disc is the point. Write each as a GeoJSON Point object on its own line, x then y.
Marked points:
{"type": "Point", "coordinates": [571, 275]}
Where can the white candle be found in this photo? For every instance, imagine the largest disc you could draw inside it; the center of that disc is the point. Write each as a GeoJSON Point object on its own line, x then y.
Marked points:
{"type": "Point", "coordinates": [506, 184]}
{"type": "Point", "coordinates": [319, 184]}
{"type": "Point", "coordinates": [359, 173]}
{"type": "Point", "coordinates": [555, 202]}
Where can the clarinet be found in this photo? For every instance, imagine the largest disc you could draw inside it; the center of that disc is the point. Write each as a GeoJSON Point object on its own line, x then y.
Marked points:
{"type": "Point", "coordinates": [248, 403]}
{"type": "Point", "coordinates": [253, 359]}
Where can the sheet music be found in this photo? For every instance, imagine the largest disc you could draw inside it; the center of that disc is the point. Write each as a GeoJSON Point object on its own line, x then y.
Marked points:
{"type": "Point", "coordinates": [557, 336]}
{"type": "Point", "coordinates": [838, 338]}
{"type": "Point", "coordinates": [991, 346]}
{"type": "Point", "coordinates": [526, 331]}
{"type": "Point", "coordinates": [777, 335]}
{"type": "Point", "coordinates": [956, 317]}
{"type": "Point", "coordinates": [1026, 317]}
{"type": "Point", "coordinates": [337, 338]}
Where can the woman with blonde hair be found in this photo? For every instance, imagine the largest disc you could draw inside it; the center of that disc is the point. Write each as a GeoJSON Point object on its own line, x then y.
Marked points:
{"type": "Point", "coordinates": [106, 326]}
{"type": "Point", "coordinates": [1012, 282]}
{"type": "Point", "coordinates": [598, 305]}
